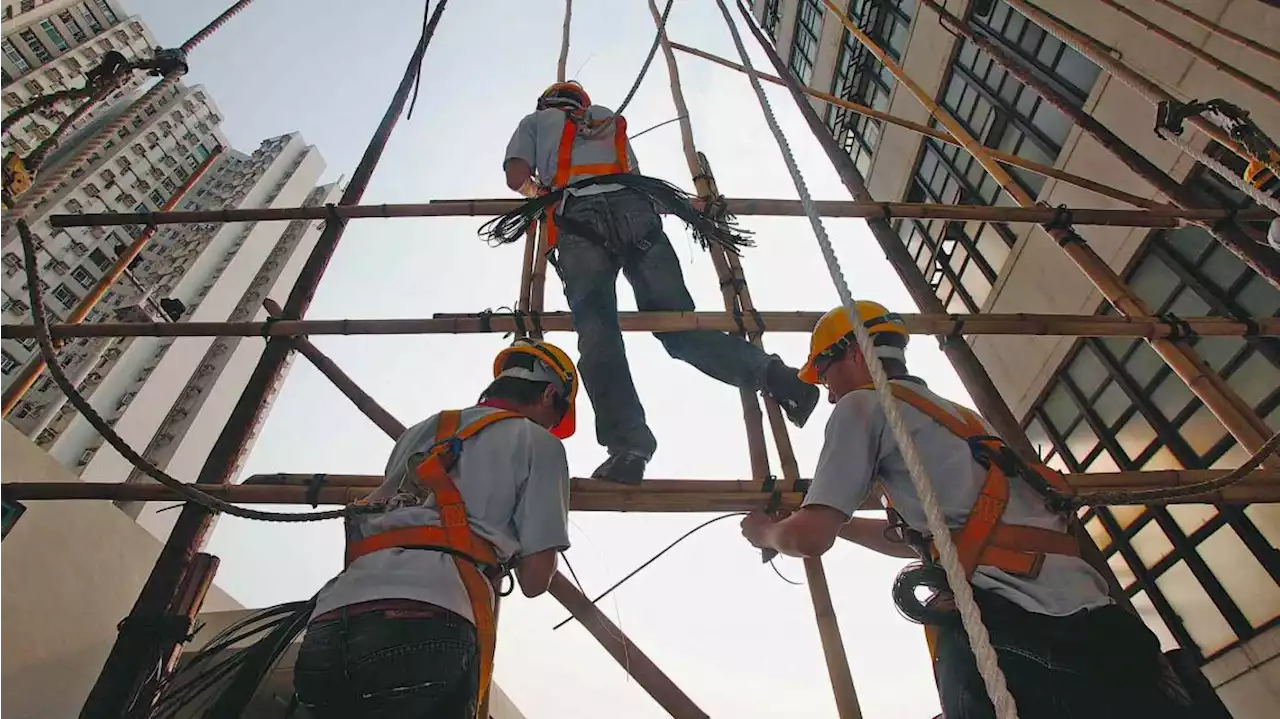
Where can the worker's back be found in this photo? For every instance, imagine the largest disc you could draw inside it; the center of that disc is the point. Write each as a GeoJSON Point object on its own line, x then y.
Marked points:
{"type": "Point", "coordinates": [512, 477]}
{"type": "Point", "coordinates": [539, 135]}
{"type": "Point", "coordinates": [859, 441]}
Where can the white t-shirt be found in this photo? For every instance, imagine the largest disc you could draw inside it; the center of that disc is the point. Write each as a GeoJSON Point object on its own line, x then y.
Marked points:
{"type": "Point", "coordinates": [537, 142]}
{"type": "Point", "coordinates": [860, 447]}
{"type": "Point", "coordinates": [514, 480]}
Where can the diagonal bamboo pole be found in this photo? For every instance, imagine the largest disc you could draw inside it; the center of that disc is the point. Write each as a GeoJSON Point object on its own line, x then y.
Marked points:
{"type": "Point", "coordinates": [1262, 259]}
{"type": "Point", "coordinates": [941, 135]}
{"type": "Point", "coordinates": [1238, 417]}
{"type": "Point", "coordinates": [1217, 29]}
{"type": "Point", "coordinates": [1244, 78]}
{"type": "Point", "coordinates": [1117, 68]}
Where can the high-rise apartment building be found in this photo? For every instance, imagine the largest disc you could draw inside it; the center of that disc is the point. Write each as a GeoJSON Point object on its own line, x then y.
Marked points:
{"type": "Point", "coordinates": [1205, 578]}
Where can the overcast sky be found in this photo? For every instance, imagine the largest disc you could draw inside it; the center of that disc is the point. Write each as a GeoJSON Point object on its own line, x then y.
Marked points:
{"type": "Point", "coordinates": [736, 638]}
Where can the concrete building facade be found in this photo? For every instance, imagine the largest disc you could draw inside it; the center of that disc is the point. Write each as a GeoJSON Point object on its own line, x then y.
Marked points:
{"type": "Point", "coordinates": [1206, 578]}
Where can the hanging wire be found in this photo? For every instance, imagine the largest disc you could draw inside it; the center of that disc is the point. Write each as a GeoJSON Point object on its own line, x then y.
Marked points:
{"type": "Point", "coordinates": [644, 69]}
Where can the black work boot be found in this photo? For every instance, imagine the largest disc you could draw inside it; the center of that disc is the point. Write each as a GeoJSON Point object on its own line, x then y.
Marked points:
{"type": "Point", "coordinates": [796, 398]}
{"type": "Point", "coordinates": [623, 468]}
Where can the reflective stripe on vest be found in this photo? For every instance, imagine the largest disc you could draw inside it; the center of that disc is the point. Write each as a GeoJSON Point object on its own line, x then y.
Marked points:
{"type": "Point", "coordinates": [567, 172]}
{"type": "Point", "coordinates": [453, 535]}
{"type": "Point", "coordinates": [985, 540]}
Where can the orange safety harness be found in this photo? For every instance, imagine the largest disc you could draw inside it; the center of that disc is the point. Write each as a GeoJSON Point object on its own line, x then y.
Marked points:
{"type": "Point", "coordinates": [567, 172]}
{"type": "Point", "coordinates": [985, 539]}
{"type": "Point", "coordinates": [453, 535]}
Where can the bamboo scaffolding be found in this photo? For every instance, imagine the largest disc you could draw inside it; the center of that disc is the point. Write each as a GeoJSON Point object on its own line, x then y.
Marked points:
{"type": "Point", "coordinates": [969, 368]}
{"type": "Point", "coordinates": [937, 134]}
{"type": "Point", "coordinates": [564, 41]}
{"type": "Point", "coordinates": [27, 377]}
{"type": "Point", "coordinates": [1161, 216]}
{"type": "Point", "coordinates": [1117, 68]}
{"type": "Point", "coordinates": [593, 495]}
{"type": "Point", "coordinates": [942, 325]}
{"type": "Point", "coordinates": [1226, 405]}
{"type": "Point", "coordinates": [1221, 31]}
{"type": "Point", "coordinates": [1260, 258]}
{"type": "Point", "coordinates": [1244, 78]}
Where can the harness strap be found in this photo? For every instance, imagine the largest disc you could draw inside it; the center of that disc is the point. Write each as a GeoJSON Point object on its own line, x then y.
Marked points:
{"type": "Point", "coordinates": [567, 172]}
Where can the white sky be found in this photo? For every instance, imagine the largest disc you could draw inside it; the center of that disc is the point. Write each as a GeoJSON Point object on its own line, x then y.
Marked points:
{"type": "Point", "coordinates": [732, 635]}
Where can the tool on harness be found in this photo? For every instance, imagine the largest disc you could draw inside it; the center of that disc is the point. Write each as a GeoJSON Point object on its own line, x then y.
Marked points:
{"type": "Point", "coordinates": [1263, 170]}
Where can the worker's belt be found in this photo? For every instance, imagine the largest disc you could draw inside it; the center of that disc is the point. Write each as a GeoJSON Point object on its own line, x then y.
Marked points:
{"type": "Point", "coordinates": [566, 222]}
{"type": "Point", "coordinates": [1018, 549]}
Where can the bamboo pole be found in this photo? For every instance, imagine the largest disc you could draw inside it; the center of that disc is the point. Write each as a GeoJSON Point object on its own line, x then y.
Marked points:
{"type": "Point", "coordinates": [31, 372]}
{"type": "Point", "coordinates": [134, 657]}
{"type": "Point", "coordinates": [705, 188]}
{"type": "Point", "coordinates": [1226, 405]}
{"type": "Point", "coordinates": [1221, 31]}
{"type": "Point", "coordinates": [937, 134]}
{"type": "Point", "coordinates": [628, 655]}
{"type": "Point", "coordinates": [1244, 78]}
{"type": "Point", "coordinates": [1160, 216]}
{"type": "Point", "coordinates": [1262, 259]}
{"type": "Point", "coordinates": [939, 324]}
{"type": "Point", "coordinates": [1117, 68]}
{"type": "Point", "coordinates": [592, 495]}
{"type": "Point", "coordinates": [564, 41]}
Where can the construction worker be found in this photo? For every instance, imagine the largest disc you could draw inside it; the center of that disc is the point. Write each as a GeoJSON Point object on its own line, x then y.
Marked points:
{"type": "Point", "coordinates": [574, 159]}
{"type": "Point", "coordinates": [407, 629]}
{"type": "Point", "coordinates": [1065, 648]}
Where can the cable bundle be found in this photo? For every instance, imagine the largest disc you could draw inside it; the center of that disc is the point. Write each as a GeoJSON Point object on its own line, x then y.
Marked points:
{"type": "Point", "coordinates": [708, 230]}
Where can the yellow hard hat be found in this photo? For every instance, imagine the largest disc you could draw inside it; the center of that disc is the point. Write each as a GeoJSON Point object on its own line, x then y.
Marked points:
{"type": "Point", "coordinates": [564, 95]}
{"type": "Point", "coordinates": [834, 332]}
{"type": "Point", "coordinates": [553, 366]}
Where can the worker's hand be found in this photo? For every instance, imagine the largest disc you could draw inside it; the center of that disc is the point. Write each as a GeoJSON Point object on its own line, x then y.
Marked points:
{"type": "Point", "coordinates": [754, 528]}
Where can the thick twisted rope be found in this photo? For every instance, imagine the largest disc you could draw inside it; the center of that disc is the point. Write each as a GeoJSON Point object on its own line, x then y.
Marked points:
{"type": "Point", "coordinates": [1256, 194]}
{"type": "Point", "coordinates": [188, 492]}
{"type": "Point", "coordinates": [979, 640]}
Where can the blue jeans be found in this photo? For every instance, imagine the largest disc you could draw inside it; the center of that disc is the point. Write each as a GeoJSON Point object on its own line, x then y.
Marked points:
{"type": "Point", "coordinates": [390, 665]}
{"type": "Point", "coordinates": [1095, 664]}
{"type": "Point", "coordinates": [629, 238]}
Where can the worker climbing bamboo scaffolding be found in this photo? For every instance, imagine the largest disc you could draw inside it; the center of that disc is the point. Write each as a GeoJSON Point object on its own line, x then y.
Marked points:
{"type": "Point", "coordinates": [1066, 649]}
{"type": "Point", "coordinates": [573, 159]}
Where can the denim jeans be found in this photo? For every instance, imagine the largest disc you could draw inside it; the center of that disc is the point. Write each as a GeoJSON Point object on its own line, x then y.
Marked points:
{"type": "Point", "coordinates": [1095, 664]}
{"type": "Point", "coordinates": [390, 665]}
{"type": "Point", "coordinates": [634, 243]}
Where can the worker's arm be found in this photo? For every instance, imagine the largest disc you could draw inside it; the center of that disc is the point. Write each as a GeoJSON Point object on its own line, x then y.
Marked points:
{"type": "Point", "coordinates": [522, 152]}
{"type": "Point", "coordinates": [871, 533]}
{"type": "Point", "coordinates": [841, 482]}
{"type": "Point", "coordinates": [542, 512]}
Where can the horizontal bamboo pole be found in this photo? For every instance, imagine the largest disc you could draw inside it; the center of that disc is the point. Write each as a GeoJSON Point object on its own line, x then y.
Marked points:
{"type": "Point", "coordinates": [655, 495]}
{"type": "Point", "coordinates": [1160, 216]}
{"type": "Point", "coordinates": [936, 133]}
{"type": "Point", "coordinates": [444, 323]}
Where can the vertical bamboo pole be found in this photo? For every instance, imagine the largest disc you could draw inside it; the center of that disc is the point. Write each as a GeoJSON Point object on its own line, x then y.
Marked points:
{"type": "Point", "coordinates": [134, 654]}
{"type": "Point", "coordinates": [706, 191]}
{"type": "Point", "coordinates": [1226, 405]}
{"type": "Point", "coordinates": [1261, 259]}
{"type": "Point", "coordinates": [1246, 79]}
{"type": "Point", "coordinates": [31, 372]}
{"type": "Point", "coordinates": [1221, 31]}
{"type": "Point", "coordinates": [1117, 68]}
{"type": "Point", "coordinates": [564, 41]}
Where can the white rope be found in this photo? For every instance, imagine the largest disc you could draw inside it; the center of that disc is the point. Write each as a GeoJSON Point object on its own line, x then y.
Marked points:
{"type": "Point", "coordinates": [979, 640]}
{"type": "Point", "coordinates": [1256, 194]}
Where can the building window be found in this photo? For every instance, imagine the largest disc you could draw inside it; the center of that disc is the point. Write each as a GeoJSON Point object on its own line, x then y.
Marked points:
{"type": "Point", "coordinates": [860, 78]}
{"type": "Point", "coordinates": [804, 42]}
{"type": "Point", "coordinates": [82, 275]}
{"type": "Point", "coordinates": [106, 11]}
{"type": "Point", "coordinates": [100, 258]}
{"type": "Point", "coordinates": [54, 35]}
{"type": "Point", "coordinates": [65, 296]}
{"type": "Point", "coordinates": [12, 512]}
{"type": "Point", "coordinates": [35, 45]}
{"type": "Point", "coordinates": [89, 18]}
{"type": "Point", "coordinates": [72, 26]}
{"type": "Point", "coordinates": [7, 362]}
{"type": "Point", "coordinates": [1205, 577]}
{"type": "Point", "coordinates": [771, 18]}
{"type": "Point", "coordinates": [12, 55]}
